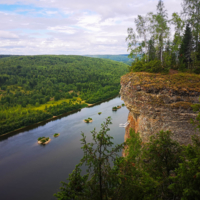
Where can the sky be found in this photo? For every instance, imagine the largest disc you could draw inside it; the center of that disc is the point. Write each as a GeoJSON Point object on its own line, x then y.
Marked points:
{"type": "Point", "coordinates": [71, 27]}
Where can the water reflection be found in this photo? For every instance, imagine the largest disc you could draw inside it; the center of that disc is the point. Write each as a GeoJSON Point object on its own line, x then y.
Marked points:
{"type": "Point", "coordinates": [32, 171]}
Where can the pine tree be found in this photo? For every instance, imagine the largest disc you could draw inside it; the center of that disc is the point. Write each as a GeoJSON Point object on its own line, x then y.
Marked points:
{"type": "Point", "coordinates": [186, 46]}
{"type": "Point", "coordinates": [151, 49]}
{"type": "Point", "coordinates": [191, 9]}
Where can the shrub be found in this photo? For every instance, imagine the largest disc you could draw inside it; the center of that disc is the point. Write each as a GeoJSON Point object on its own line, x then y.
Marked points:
{"type": "Point", "coordinates": [40, 138]}
{"type": "Point", "coordinates": [197, 70]}
{"type": "Point", "coordinates": [154, 66]}
{"type": "Point", "coordinates": [114, 108]}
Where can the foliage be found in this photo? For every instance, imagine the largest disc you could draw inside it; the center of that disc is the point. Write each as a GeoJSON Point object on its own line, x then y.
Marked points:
{"type": "Point", "coordinates": [98, 183]}
{"type": "Point", "coordinates": [36, 88]}
{"type": "Point", "coordinates": [162, 156]}
{"type": "Point", "coordinates": [153, 66]}
{"type": "Point", "coordinates": [191, 11]}
{"type": "Point", "coordinates": [88, 120]}
{"type": "Point", "coordinates": [186, 46]}
{"type": "Point", "coordinates": [43, 139]}
{"type": "Point", "coordinates": [186, 183]}
{"type": "Point", "coordinates": [114, 108]}
{"type": "Point", "coordinates": [150, 39]}
{"type": "Point", "coordinates": [158, 169]}
{"type": "Point", "coordinates": [40, 138]}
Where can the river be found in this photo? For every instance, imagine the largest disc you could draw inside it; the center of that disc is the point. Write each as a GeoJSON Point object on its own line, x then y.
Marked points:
{"type": "Point", "coordinates": [34, 172]}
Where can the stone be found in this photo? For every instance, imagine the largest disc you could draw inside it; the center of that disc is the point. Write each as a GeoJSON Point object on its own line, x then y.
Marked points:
{"type": "Point", "coordinates": [156, 103]}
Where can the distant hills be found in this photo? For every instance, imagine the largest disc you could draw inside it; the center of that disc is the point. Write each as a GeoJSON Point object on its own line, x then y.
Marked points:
{"type": "Point", "coordinates": [36, 88]}
{"type": "Point", "coordinates": [120, 58]}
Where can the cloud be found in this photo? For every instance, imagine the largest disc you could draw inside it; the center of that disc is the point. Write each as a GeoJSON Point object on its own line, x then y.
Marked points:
{"type": "Point", "coordinates": [71, 27]}
{"type": "Point", "coordinates": [7, 35]}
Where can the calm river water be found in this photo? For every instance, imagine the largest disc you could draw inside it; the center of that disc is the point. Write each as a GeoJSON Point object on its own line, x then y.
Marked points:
{"type": "Point", "coordinates": [29, 171]}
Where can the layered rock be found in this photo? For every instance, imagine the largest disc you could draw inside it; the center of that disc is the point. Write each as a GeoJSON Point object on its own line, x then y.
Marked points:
{"type": "Point", "coordinates": [161, 102]}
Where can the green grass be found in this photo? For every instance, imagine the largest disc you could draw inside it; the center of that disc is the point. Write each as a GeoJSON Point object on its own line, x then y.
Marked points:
{"type": "Point", "coordinates": [54, 103]}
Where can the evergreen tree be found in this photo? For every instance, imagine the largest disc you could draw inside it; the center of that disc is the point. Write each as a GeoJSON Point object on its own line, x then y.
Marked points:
{"type": "Point", "coordinates": [186, 46]}
{"type": "Point", "coordinates": [151, 49]}
{"type": "Point", "coordinates": [191, 8]}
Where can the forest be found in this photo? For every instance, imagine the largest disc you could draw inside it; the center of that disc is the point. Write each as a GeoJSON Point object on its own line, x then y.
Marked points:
{"type": "Point", "coordinates": [165, 42]}
{"type": "Point", "coordinates": [36, 88]}
{"type": "Point", "coordinates": [121, 58]}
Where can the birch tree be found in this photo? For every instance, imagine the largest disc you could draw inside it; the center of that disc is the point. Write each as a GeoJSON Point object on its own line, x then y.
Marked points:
{"type": "Point", "coordinates": [179, 24]}
{"type": "Point", "coordinates": [142, 29]}
{"type": "Point", "coordinates": [161, 28]}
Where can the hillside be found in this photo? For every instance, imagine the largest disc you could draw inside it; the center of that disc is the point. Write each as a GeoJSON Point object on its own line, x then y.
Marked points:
{"type": "Point", "coordinates": [120, 58]}
{"type": "Point", "coordinates": [34, 88]}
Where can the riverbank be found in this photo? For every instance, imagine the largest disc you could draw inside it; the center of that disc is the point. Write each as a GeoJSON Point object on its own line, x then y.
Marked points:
{"type": "Point", "coordinates": [47, 165]}
{"type": "Point", "coordinates": [43, 122]}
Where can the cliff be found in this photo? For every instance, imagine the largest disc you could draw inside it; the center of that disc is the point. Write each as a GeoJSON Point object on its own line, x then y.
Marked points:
{"type": "Point", "coordinates": [161, 102]}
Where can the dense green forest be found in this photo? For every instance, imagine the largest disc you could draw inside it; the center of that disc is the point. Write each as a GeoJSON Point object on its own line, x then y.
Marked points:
{"type": "Point", "coordinates": [120, 58]}
{"type": "Point", "coordinates": [34, 88]}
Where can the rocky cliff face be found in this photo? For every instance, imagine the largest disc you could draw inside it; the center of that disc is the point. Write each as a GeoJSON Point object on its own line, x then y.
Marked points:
{"type": "Point", "coordinates": [161, 102]}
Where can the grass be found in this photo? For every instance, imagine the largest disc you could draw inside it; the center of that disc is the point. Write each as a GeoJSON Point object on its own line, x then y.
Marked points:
{"type": "Point", "coordinates": [54, 103]}
{"type": "Point", "coordinates": [178, 82]}
{"type": "Point", "coordinates": [14, 111]}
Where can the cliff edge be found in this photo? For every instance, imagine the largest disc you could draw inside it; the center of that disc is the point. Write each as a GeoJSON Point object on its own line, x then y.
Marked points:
{"type": "Point", "coordinates": [161, 102]}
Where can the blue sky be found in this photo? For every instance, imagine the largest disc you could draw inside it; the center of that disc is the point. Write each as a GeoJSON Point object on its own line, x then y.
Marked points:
{"type": "Point", "coordinates": [30, 27]}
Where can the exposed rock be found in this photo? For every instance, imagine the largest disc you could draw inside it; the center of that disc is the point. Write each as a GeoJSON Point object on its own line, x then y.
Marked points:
{"type": "Point", "coordinates": [161, 102]}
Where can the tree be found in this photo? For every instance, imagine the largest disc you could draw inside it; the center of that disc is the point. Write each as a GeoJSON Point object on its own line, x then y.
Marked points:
{"type": "Point", "coordinates": [191, 9]}
{"type": "Point", "coordinates": [161, 28]}
{"type": "Point", "coordinates": [151, 49]}
{"type": "Point", "coordinates": [186, 183]}
{"type": "Point", "coordinates": [179, 24]}
{"type": "Point", "coordinates": [142, 29]}
{"type": "Point", "coordinates": [100, 180]}
{"type": "Point", "coordinates": [186, 46]}
{"type": "Point", "coordinates": [132, 42]}
{"type": "Point", "coordinates": [161, 156]}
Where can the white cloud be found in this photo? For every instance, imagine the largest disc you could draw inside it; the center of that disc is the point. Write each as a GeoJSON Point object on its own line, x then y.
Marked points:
{"type": "Point", "coordinates": [63, 29]}
{"type": "Point", "coordinates": [7, 35]}
{"type": "Point", "coordinates": [72, 27]}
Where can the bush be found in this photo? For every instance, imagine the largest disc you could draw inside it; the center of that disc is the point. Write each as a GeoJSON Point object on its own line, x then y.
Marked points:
{"type": "Point", "coordinates": [153, 66]}
{"type": "Point", "coordinates": [40, 138]}
{"type": "Point", "coordinates": [114, 108]}
{"type": "Point", "coordinates": [197, 70]}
